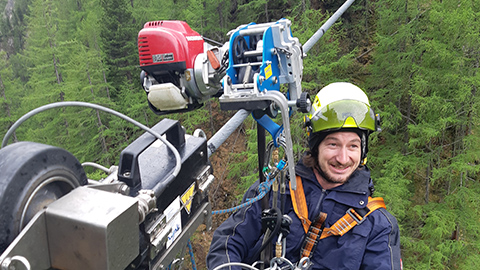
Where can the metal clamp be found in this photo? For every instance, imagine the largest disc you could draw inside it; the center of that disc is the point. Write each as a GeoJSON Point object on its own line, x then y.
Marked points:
{"type": "Point", "coordinates": [304, 264]}
{"type": "Point", "coordinates": [353, 214]}
{"type": "Point", "coordinates": [15, 263]}
{"type": "Point", "coordinates": [271, 154]}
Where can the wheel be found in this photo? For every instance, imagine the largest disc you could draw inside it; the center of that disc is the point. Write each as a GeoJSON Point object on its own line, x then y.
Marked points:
{"type": "Point", "coordinates": [32, 175]}
{"type": "Point", "coordinates": [240, 46]}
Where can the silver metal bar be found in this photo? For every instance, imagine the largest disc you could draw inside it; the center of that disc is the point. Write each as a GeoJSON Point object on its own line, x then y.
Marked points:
{"type": "Point", "coordinates": [248, 64]}
{"type": "Point", "coordinates": [309, 44]}
{"type": "Point", "coordinates": [255, 29]}
{"type": "Point", "coordinates": [31, 244]}
{"type": "Point", "coordinates": [243, 86]}
{"type": "Point", "coordinates": [252, 53]}
{"type": "Point", "coordinates": [249, 32]}
{"type": "Point", "coordinates": [227, 129]}
{"type": "Point", "coordinates": [282, 102]}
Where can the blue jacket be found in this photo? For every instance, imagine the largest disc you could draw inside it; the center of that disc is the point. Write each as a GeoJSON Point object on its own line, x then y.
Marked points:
{"type": "Point", "coordinates": [374, 244]}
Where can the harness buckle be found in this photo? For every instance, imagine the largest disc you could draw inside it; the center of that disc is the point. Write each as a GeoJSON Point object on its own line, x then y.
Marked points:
{"type": "Point", "coordinates": [355, 216]}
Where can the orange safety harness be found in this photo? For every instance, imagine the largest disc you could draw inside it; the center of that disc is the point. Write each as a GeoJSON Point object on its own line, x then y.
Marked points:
{"type": "Point", "coordinates": [315, 230]}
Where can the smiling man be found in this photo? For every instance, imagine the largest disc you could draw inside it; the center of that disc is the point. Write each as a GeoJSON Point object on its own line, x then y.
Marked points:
{"type": "Point", "coordinates": [336, 222]}
{"type": "Point", "coordinates": [338, 158]}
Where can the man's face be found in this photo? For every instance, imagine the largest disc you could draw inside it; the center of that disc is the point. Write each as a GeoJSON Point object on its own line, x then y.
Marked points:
{"type": "Point", "coordinates": [339, 156]}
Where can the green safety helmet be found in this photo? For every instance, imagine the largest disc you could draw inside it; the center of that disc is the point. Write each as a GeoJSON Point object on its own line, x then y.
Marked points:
{"type": "Point", "coordinates": [341, 106]}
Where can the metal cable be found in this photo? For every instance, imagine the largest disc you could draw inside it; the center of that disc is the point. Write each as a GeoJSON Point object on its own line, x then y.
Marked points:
{"type": "Point", "coordinates": [96, 107]}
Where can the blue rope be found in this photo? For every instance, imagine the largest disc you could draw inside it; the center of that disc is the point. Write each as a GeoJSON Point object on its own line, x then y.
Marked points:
{"type": "Point", "coordinates": [264, 188]}
{"type": "Point", "coordinates": [192, 257]}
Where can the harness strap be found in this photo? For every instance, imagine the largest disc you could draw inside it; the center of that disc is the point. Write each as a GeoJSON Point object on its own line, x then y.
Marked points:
{"type": "Point", "coordinates": [300, 204]}
{"type": "Point", "coordinates": [315, 231]}
{"type": "Point", "coordinates": [352, 218]}
{"type": "Point", "coordinates": [312, 237]}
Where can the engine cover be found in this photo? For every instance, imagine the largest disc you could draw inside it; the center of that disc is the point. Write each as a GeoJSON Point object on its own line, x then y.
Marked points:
{"type": "Point", "coordinates": [166, 47]}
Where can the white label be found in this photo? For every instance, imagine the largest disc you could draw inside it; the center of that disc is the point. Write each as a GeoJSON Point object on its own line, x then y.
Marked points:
{"type": "Point", "coordinates": [194, 38]}
{"type": "Point", "coordinates": [174, 221]}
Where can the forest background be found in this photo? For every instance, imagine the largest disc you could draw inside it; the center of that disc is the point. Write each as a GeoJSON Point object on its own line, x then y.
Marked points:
{"type": "Point", "coordinates": [417, 60]}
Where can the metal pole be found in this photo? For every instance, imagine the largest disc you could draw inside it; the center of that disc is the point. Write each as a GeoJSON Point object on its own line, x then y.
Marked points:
{"type": "Point", "coordinates": [309, 44]}
{"type": "Point", "coordinates": [227, 129]}
{"type": "Point", "coordinates": [261, 160]}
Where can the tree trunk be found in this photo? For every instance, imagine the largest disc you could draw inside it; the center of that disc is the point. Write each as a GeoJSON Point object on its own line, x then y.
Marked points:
{"type": "Point", "coordinates": [472, 99]}
{"type": "Point", "coordinates": [406, 136]}
{"type": "Point", "coordinates": [51, 39]}
{"type": "Point", "coordinates": [57, 72]}
{"type": "Point", "coordinates": [220, 15]}
{"type": "Point", "coordinates": [99, 120]}
{"type": "Point", "coordinates": [427, 182]}
{"type": "Point", "coordinates": [6, 106]}
{"type": "Point", "coordinates": [233, 10]}
{"type": "Point", "coordinates": [107, 90]}
{"type": "Point", "coordinates": [267, 19]}
{"type": "Point", "coordinates": [105, 81]}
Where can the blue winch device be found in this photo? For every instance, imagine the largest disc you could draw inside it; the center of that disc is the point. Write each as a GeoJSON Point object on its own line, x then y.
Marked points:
{"type": "Point", "coordinates": [265, 61]}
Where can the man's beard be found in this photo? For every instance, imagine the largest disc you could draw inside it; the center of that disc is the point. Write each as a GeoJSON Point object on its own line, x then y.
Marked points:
{"type": "Point", "coordinates": [330, 179]}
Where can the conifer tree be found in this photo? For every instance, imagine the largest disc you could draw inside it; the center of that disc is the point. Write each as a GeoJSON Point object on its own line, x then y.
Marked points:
{"type": "Point", "coordinates": [118, 43]}
{"type": "Point", "coordinates": [41, 56]}
{"type": "Point", "coordinates": [429, 97]}
{"type": "Point", "coordinates": [151, 10]}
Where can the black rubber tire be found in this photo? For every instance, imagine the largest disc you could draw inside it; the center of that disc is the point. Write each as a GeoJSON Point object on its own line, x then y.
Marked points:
{"type": "Point", "coordinates": [32, 175]}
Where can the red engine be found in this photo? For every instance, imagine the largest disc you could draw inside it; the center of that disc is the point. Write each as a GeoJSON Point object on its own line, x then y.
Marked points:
{"type": "Point", "coordinates": [177, 73]}
{"type": "Point", "coordinates": [168, 46]}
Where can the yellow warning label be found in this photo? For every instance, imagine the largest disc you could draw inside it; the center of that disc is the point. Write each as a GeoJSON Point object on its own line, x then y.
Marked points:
{"type": "Point", "coordinates": [268, 71]}
{"type": "Point", "coordinates": [187, 198]}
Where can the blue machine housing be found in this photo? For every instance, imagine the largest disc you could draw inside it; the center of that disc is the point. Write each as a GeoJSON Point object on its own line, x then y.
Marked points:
{"type": "Point", "coordinates": [262, 57]}
{"type": "Point", "coordinates": [271, 51]}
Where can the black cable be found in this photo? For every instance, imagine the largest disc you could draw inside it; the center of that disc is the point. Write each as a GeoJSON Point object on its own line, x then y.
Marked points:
{"type": "Point", "coordinates": [212, 41]}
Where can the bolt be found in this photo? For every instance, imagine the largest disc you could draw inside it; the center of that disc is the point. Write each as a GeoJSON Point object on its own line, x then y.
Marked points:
{"type": "Point", "coordinates": [124, 189]}
{"type": "Point", "coordinates": [261, 79]}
